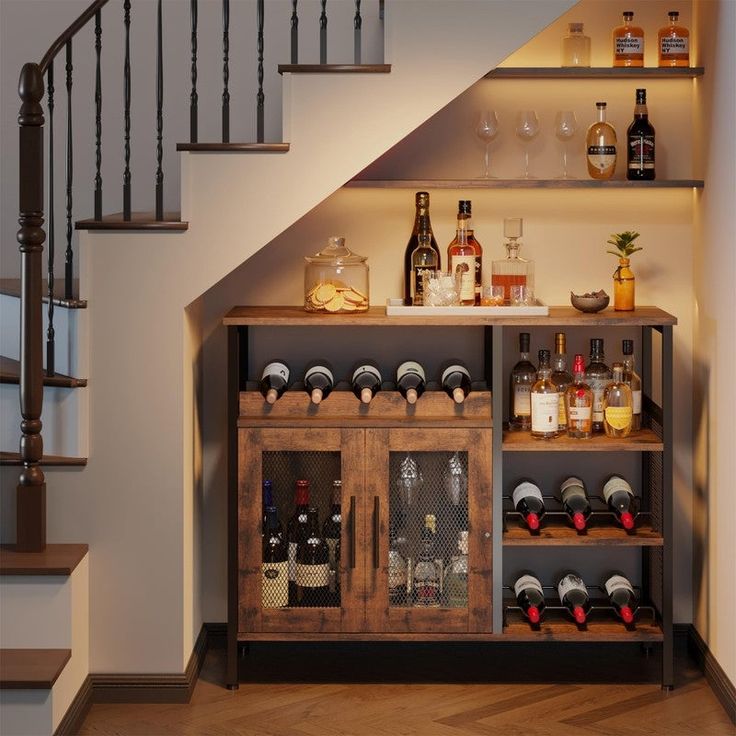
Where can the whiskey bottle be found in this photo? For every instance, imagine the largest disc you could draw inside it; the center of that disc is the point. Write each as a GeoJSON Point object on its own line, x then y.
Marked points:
{"type": "Point", "coordinates": [275, 566]}
{"type": "Point", "coordinates": [464, 256]}
{"type": "Point", "coordinates": [319, 380]}
{"type": "Point", "coordinates": [545, 401]}
{"type": "Point", "coordinates": [575, 502]}
{"type": "Point", "coordinates": [575, 46]}
{"type": "Point", "coordinates": [618, 405]}
{"type": "Point", "coordinates": [512, 270]}
{"type": "Point", "coordinates": [528, 501]}
{"type": "Point", "coordinates": [597, 376]}
{"type": "Point", "coordinates": [422, 224]}
{"type": "Point", "coordinates": [628, 43]}
{"type": "Point", "coordinates": [640, 142]}
{"type": "Point", "coordinates": [523, 377]}
{"type": "Point", "coordinates": [366, 380]}
{"type": "Point", "coordinates": [600, 146]}
{"type": "Point", "coordinates": [312, 565]}
{"type": "Point", "coordinates": [297, 527]}
{"type": "Point", "coordinates": [397, 568]}
{"type": "Point", "coordinates": [574, 596]}
{"type": "Point", "coordinates": [621, 500]}
{"type": "Point", "coordinates": [622, 597]}
{"type": "Point", "coordinates": [274, 381]}
{"type": "Point", "coordinates": [530, 597]}
{"type": "Point", "coordinates": [411, 380]}
{"type": "Point", "coordinates": [561, 377]}
{"type": "Point", "coordinates": [674, 43]}
{"type": "Point", "coordinates": [424, 259]}
{"type": "Point", "coordinates": [331, 533]}
{"type": "Point", "coordinates": [426, 573]}
{"type": "Point", "coordinates": [579, 404]}
{"type": "Point", "coordinates": [632, 379]}
{"type": "Point", "coordinates": [455, 586]}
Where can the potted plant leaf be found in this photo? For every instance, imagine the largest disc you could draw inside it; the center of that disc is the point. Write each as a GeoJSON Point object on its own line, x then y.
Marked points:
{"type": "Point", "coordinates": [623, 278]}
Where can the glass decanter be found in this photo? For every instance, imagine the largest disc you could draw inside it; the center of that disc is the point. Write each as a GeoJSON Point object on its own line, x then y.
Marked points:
{"type": "Point", "coordinates": [512, 270]}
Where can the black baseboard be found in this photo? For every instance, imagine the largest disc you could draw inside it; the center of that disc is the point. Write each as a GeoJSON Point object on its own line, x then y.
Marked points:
{"type": "Point", "coordinates": [717, 678]}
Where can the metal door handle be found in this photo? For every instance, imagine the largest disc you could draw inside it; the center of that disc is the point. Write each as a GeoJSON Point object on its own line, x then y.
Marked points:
{"type": "Point", "coordinates": [376, 531]}
{"type": "Point", "coordinates": [352, 532]}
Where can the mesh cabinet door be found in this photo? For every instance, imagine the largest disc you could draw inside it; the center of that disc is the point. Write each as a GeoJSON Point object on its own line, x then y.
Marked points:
{"type": "Point", "coordinates": [428, 492]}
{"type": "Point", "coordinates": [301, 567]}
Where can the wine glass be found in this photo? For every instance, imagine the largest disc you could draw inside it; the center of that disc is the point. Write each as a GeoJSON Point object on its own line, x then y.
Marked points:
{"type": "Point", "coordinates": [527, 128]}
{"type": "Point", "coordinates": [487, 129]}
{"type": "Point", "coordinates": [566, 125]}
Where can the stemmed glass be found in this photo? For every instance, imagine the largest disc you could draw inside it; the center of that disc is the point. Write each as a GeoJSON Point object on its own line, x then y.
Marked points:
{"type": "Point", "coordinates": [566, 125]}
{"type": "Point", "coordinates": [487, 129]}
{"type": "Point", "coordinates": [527, 128]}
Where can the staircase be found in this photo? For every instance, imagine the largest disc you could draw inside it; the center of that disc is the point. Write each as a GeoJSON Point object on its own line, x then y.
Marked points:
{"type": "Point", "coordinates": [124, 398]}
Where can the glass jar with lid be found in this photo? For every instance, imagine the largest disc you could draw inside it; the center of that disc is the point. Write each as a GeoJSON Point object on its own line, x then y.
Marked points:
{"type": "Point", "coordinates": [336, 280]}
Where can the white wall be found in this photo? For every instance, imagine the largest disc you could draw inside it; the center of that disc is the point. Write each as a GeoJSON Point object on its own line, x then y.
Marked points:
{"type": "Point", "coordinates": [714, 537]}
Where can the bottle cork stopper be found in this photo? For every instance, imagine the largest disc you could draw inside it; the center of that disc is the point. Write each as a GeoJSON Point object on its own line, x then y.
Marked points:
{"type": "Point", "coordinates": [459, 395]}
{"type": "Point", "coordinates": [316, 395]}
{"type": "Point", "coordinates": [366, 395]}
{"type": "Point", "coordinates": [411, 396]}
{"type": "Point", "coordinates": [271, 396]}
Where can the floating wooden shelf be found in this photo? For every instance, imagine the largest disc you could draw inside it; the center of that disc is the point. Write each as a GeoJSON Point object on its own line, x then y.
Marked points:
{"type": "Point", "coordinates": [293, 316]}
{"type": "Point", "coordinates": [56, 559]}
{"type": "Point", "coordinates": [556, 533]}
{"type": "Point", "coordinates": [524, 184]}
{"type": "Point", "coordinates": [644, 440]}
{"type": "Point", "coordinates": [31, 669]}
{"type": "Point", "coordinates": [10, 373]}
{"type": "Point", "coordinates": [139, 221]}
{"type": "Point", "coordinates": [598, 72]}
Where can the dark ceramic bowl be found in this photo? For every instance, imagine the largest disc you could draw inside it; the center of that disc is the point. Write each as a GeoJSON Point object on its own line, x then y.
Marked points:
{"type": "Point", "coordinates": [590, 304]}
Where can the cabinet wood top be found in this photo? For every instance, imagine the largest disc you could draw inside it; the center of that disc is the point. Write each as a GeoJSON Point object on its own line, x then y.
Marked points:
{"type": "Point", "coordinates": [295, 316]}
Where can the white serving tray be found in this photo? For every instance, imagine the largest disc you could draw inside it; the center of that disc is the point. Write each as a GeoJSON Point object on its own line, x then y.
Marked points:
{"type": "Point", "coordinates": [397, 308]}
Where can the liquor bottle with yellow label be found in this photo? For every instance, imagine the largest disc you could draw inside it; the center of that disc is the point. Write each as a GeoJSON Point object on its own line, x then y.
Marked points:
{"type": "Point", "coordinates": [618, 405]}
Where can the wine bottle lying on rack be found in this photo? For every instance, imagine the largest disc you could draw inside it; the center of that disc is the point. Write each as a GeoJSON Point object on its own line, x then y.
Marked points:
{"type": "Point", "coordinates": [622, 597]}
{"type": "Point", "coordinates": [530, 597]}
{"type": "Point", "coordinates": [456, 381]}
{"type": "Point", "coordinates": [621, 500]}
{"type": "Point", "coordinates": [575, 502]}
{"type": "Point", "coordinates": [366, 380]}
{"type": "Point", "coordinates": [319, 380]}
{"type": "Point", "coordinates": [574, 596]}
{"type": "Point", "coordinates": [274, 380]}
{"type": "Point", "coordinates": [529, 503]}
{"type": "Point", "coordinates": [411, 380]}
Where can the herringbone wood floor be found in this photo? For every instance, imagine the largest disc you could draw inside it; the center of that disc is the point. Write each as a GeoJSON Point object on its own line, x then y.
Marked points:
{"type": "Point", "coordinates": [336, 705]}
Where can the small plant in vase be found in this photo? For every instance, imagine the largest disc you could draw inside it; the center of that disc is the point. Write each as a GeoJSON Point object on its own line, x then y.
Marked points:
{"type": "Point", "coordinates": [623, 278]}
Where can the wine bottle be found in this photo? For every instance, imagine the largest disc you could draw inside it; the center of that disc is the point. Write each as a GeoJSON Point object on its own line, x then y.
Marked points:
{"type": "Point", "coordinates": [422, 224]}
{"type": "Point", "coordinates": [523, 377]}
{"type": "Point", "coordinates": [574, 596]}
{"type": "Point", "coordinates": [397, 567]}
{"type": "Point", "coordinates": [579, 404]}
{"type": "Point", "coordinates": [319, 380]}
{"type": "Point", "coordinates": [633, 381]}
{"type": "Point", "coordinates": [600, 146]}
{"type": "Point", "coordinates": [529, 503]}
{"type": "Point", "coordinates": [597, 376]}
{"type": "Point", "coordinates": [561, 377]}
{"type": "Point", "coordinates": [267, 501]}
{"type": "Point", "coordinates": [622, 597]}
{"type": "Point", "coordinates": [621, 500]}
{"type": "Point", "coordinates": [456, 381]}
{"type": "Point", "coordinates": [424, 260]}
{"type": "Point", "coordinates": [575, 502]}
{"type": "Point", "coordinates": [312, 565]}
{"type": "Point", "coordinates": [410, 380]}
{"type": "Point", "coordinates": [465, 255]}
{"type": "Point", "coordinates": [331, 533]}
{"type": "Point", "coordinates": [455, 587]}
{"type": "Point", "coordinates": [366, 380]}
{"type": "Point", "coordinates": [297, 527]}
{"type": "Point", "coordinates": [640, 142]}
{"type": "Point", "coordinates": [530, 597]}
{"type": "Point", "coordinates": [426, 573]}
{"type": "Point", "coordinates": [545, 401]}
{"type": "Point", "coordinates": [274, 380]}
{"type": "Point", "coordinates": [275, 566]}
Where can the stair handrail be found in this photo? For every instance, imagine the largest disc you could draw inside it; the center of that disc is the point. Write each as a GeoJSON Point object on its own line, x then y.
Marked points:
{"type": "Point", "coordinates": [31, 489]}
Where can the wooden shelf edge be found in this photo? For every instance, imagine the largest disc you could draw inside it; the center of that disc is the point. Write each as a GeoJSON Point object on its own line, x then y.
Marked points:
{"type": "Point", "coordinates": [644, 441]}
{"type": "Point", "coordinates": [596, 72]}
{"type": "Point", "coordinates": [334, 68]}
{"type": "Point", "coordinates": [56, 559]}
{"type": "Point", "coordinates": [10, 373]}
{"type": "Point", "coordinates": [603, 537]}
{"type": "Point", "coordinates": [523, 184]}
{"type": "Point", "coordinates": [520, 631]}
{"type": "Point", "coordinates": [11, 287]}
{"type": "Point", "coordinates": [139, 221]}
{"type": "Point", "coordinates": [31, 669]}
{"type": "Point", "coordinates": [233, 147]}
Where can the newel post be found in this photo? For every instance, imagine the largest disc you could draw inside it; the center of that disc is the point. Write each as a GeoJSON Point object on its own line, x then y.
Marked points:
{"type": "Point", "coordinates": [31, 493]}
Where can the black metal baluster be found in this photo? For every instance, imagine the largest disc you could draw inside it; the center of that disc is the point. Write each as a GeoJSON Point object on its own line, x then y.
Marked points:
{"type": "Point", "coordinates": [294, 33]}
{"type": "Point", "coordinates": [194, 97]}
{"type": "Point", "coordinates": [260, 96]}
{"type": "Point", "coordinates": [98, 117]}
{"type": "Point", "coordinates": [159, 114]}
{"type": "Point", "coordinates": [50, 334]}
{"type": "Point", "coordinates": [126, 113]}
{"type": "Point", "coordinates": [323, 33]}
{"type": "Point", "coordinates": [225, 71]}
{"type": "Point", "coordinates": [357, 33]}
{"type": "Point", "coordinates": [69, 259]}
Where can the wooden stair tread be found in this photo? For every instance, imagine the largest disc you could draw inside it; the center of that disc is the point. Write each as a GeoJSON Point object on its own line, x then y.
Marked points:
{"type": "Point", "coordinates": [56, 559]}
{"type": "Point", "coordinates": [138, 221]}
{"type": "Point", "coordinates": [235, 147]}
{"type": "Point", "coordinates": [13, 458]}
{"type": "Point", "coordinates": [31, 669]}
{"type": "Point", "coordinates": [11, 287]}
{"type": "Point", "coordinates": [10, 373]}
{"type": "Point", "coordinates": [335, 68]}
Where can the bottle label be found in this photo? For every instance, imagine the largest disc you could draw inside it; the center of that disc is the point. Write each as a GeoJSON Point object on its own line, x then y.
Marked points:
{"type": "Point", "coordinates": [613, 484]}
{"type": "Point", "coordinates": [478, 273]}
{"type": "Point", "coordinates": [636, 395]}
{"type": "Point", "coordinates": [527, 581]}
{"type": "Point", "coordinates": [641, 152]}
{"type": "Point", "coordinates": [319, 369]}
{"type": "Point", "coordinates": [561, 413]}
{"type": "Point", "coordinates": [313, 576]}
{"type": "Point", "coordinates": [275, 585]}
{"type": "Point", "coordinates": [427, 592]}
{"type": "Point", "coordinates": [410, 366]}
{"type": "Point", "coordinates": [525, 490]}
{"type": "Point", "coordinates": [628, 45]}
{"type": "Point", "coordinates": [545, 410]}
{"type": "Point", "coordinates": [602, 157]}
{"type": "Point", "coordinates": [617, 582]}
{"type": "Point", "coordinates": [618, 417]}
{"type": "Point", "coordinates": [570, 583]}
{"type": "Point", "coordinates": [598, 386]}
{"type": "Point", "coordinates": [522, 400]}
{"type": "Point", "coordinates": [454, 369]}
{"type": "Point", "coordinates": [367, 369]}
{"type": "Point", "coordinates": [292, 561]}
{"type": "Point", "coordinates": [572, 487]}
{"type": "Point", "coordinates": [278, 369]}
{"type": "Point", "coordinates": [580, 413]}
{"type": "Point", "coordinates": [396, 571]}
{"type": "Point", "coordinates": [674, 45]}
{"type": "Point", "coordinates": [418, 280]}
{"type": "Point", "coordinates": [465, 265]}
